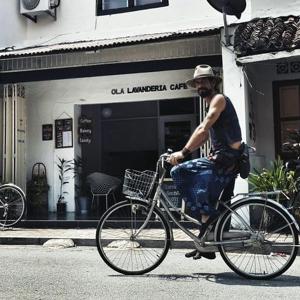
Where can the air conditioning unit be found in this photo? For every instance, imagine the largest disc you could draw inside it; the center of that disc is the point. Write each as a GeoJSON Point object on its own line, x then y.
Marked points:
{"type": "Point", "coordinates": [37, 7]}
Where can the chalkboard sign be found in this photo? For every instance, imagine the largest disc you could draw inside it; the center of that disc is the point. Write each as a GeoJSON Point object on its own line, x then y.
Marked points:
{"type": "Point", "coordinates": [172, 192]}
{"type": "Point", "coordinates": [64, 133]}
{"type": "Point", "coordinates": [47, 132]}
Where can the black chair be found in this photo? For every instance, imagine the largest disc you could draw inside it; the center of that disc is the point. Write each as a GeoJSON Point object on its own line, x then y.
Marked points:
{"type": "Point", "coordinates": [103, 185]}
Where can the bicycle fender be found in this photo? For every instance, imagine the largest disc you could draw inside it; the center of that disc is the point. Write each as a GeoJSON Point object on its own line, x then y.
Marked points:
{"type": "Point", "coordinates": [273, 202]}
{"type": "Point", "coordinates": [14, 186]}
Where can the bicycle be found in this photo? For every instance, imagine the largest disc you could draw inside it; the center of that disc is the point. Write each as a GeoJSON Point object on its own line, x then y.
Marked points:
{"type": "Point", "coordinates": [12, 205]}
{"type": "Point", "coordinates": [134, 236]}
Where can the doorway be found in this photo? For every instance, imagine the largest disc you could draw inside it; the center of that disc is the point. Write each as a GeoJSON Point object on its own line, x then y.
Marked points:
{"type": "Point", "coordinates": [133, 135]}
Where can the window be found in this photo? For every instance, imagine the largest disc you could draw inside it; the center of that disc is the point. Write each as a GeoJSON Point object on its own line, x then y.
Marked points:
{"type": "Point", "coordinates": [114, 4]}
{"type": "Point", "coordinates": [132, 135]}
{"type": "Point", "coordinates": [287, 117]}
{"type": "Point", "coordinates": [106, 7]}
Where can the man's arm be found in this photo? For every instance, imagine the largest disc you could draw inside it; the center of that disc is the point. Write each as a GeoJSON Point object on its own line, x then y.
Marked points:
{"type": "Point", "coordinates": [201, 133]}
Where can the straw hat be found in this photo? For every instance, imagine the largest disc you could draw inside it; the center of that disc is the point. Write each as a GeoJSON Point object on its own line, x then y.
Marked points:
{"type": "Point", "coordinates": [203, 71]}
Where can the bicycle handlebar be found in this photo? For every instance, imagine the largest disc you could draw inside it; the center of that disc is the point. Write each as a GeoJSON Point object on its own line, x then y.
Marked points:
{"type": "Point", "coordinates": [163, 158]}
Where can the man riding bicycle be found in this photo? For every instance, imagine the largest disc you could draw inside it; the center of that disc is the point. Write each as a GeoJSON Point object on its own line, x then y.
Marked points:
{"type": "Point", "coordinates": [201, 181]}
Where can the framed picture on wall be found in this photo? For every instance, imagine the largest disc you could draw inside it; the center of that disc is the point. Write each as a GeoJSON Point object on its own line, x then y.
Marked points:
{"type": "Point", "coordinates": [47, 132]}
{"type": "Point", "coordinates": [64, 133]}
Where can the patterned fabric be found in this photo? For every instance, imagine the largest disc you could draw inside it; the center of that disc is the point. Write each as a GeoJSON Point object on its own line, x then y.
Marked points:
{"type": "Point", "coordinates": [200, 183]}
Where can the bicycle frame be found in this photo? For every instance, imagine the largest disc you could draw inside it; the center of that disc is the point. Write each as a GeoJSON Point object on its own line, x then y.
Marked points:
{"type": "Point", "coordinates": [203, 244]}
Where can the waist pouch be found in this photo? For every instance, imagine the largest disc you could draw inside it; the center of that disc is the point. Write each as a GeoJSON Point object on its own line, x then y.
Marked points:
{"type": "Point", "coordinates": [230, 159]}
{"type": "Point", "coordinates": [225, 159]}
{"type": "Point", "coordinates": [244, 161]}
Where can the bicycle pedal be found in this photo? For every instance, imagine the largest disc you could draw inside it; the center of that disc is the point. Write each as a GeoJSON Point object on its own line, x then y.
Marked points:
{"type": "Point", "coordinates": [204, 248]}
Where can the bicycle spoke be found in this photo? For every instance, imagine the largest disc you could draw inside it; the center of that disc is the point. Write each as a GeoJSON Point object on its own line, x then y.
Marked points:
{"type": "Point", "coordinates": [12, 205]}
{"type": "Point", "coordinates": [124, 251]}
{"type": "Point", "coordinates": [271, 247]}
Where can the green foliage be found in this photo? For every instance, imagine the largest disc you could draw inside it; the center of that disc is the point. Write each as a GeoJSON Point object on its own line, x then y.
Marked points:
{"type": "Point", "coordinates": [276, 178]}
{"type": "Point", "coordinates": [64, 169]}
{"type": "Point", "coordinates": [79, 175]}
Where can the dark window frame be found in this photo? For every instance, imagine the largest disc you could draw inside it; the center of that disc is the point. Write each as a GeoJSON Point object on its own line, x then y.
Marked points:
{"type": "Point", "coordinates": [130, 8]}
{"type": "Point", "coordinates": [278, 119]}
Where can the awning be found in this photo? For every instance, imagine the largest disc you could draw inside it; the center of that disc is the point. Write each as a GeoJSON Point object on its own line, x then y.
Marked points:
{"type": "Point", "coordinates": [80, 45]}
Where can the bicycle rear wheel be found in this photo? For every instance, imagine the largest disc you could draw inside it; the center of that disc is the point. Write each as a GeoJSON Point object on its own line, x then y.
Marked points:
{"type": "Point", "coordinates": [265, 252]}
{"type": "Point", "coordinates": [12, 205]}
{"type": "Point", "coordinates": [121, 249]}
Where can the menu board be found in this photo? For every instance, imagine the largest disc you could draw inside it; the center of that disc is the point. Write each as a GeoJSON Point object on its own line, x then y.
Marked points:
{"type": "Point", "coordinates": [85, 130]}
{"type": "Point", "coordinates": [64, 133]}
{"type": "Point", "coordinates": [172, 193]}
{"type": "Point", "coordinates": [47, 132]}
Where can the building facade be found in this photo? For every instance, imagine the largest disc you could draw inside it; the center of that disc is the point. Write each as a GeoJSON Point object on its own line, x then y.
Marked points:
{"type": "Point", "coordinates": [262, 68]}
{"type": "Point", "coordinates": [105, 81]}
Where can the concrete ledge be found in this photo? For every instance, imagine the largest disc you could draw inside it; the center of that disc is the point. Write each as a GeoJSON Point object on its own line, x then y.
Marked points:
{"type": "Point", "coordinates": [78, 242]}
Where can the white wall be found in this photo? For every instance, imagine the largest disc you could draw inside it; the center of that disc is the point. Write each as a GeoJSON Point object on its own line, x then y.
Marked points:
{"type": "Point", "coordinates": [262, 75]}
{"type": "Point", "coordinates": [49, 100]}
{"type": "Point", "coordinates": [275, 8]}
{"type": "Point", "coordinates": [236, 89]}
{"type": "Point", "coordinates": [256, 84]}
{"type": "Point", "coordinates": [13, 27]}
{"type": "Point", "coordinates": [77, 20]}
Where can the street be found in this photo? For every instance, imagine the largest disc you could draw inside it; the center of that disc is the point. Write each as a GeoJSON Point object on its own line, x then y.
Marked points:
{"type": "Point", "coordinates": [36, 272]}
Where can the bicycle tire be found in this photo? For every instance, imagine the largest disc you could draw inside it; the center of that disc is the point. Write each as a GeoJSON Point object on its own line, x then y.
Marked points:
{"type": "Point", "coordinates": [115, 242]}
{"type": "Point", "coordinates": [13, 205]}
{"type": "Point", "coordinates": [272, 252]}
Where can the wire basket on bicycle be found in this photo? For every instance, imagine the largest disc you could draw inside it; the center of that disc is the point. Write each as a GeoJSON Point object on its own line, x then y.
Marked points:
{"type": "Point", "coordinates": [138, 184]}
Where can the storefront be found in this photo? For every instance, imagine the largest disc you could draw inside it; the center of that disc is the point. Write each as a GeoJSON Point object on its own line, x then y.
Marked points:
{"type": "Point", "coordinates": [112, 108]}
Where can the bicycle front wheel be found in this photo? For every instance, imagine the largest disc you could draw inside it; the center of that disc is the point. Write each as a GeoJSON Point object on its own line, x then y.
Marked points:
{"type": "Point", "coordinates": [129, 245]}
{"type": "Point", "coordinates": [12, 205]}
{"type": "Point", "coordinates": [259, 239]}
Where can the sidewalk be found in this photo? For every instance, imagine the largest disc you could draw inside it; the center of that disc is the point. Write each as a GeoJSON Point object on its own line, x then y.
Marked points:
{"type": "Point", "coordinates": [80, 237]}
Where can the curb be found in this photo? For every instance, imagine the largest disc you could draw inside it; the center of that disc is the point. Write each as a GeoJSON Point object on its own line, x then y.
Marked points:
{"type": "Point", "coordinates": [39, 241]}
{"type": "Point", "coordinates": [79, 242]}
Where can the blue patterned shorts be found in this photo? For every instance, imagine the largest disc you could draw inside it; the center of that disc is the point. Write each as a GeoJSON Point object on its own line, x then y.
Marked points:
{"type": "Point", "coordinates": [200, 184]}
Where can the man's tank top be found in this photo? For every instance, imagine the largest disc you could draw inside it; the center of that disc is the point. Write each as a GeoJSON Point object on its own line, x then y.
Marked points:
{"type": "Point", "coordinates": [226, 130]}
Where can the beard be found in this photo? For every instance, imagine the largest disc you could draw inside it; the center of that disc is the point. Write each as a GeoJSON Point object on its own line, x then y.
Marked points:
{"type": "Point", "coordinates": [204, 92]}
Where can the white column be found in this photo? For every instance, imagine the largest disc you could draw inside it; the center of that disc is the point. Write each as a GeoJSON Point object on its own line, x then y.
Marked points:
{"type": "Point", "coordinates": [235, 89]}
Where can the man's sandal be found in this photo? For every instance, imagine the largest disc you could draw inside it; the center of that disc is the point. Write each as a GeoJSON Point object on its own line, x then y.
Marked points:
{"type": "Point", "coordinates": [197, 254]}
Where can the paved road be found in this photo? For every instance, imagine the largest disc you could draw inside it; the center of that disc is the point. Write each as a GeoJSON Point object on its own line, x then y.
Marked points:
{"type": "Point", "coordinates": [34, 272]}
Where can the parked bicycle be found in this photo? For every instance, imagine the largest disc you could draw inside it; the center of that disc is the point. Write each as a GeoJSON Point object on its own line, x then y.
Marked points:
{"type": "Point", "coordinates": [133, 237]}
{"type": "Point", "coordinates": [12, 205]}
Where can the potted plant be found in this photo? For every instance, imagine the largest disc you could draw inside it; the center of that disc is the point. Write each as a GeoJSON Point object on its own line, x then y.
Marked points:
{"type": "Point", "coordinates": [64, 169]}
{"type": "Point", "coordinates": [275, 178]}
{"type": "Point", "coordinates": [293, 148]}
{"type": "Point", "coordinates": [80, 187]}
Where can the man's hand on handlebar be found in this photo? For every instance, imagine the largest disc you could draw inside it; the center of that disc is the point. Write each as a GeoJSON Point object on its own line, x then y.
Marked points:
{"type": "Point", "coordinates": [175, 158]}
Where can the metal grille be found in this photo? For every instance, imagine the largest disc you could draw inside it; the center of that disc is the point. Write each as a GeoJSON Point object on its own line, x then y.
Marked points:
{"type": "Point", "coordinates": [30, 4]}
{"type": "Point", "coordinates": [138, 184]}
